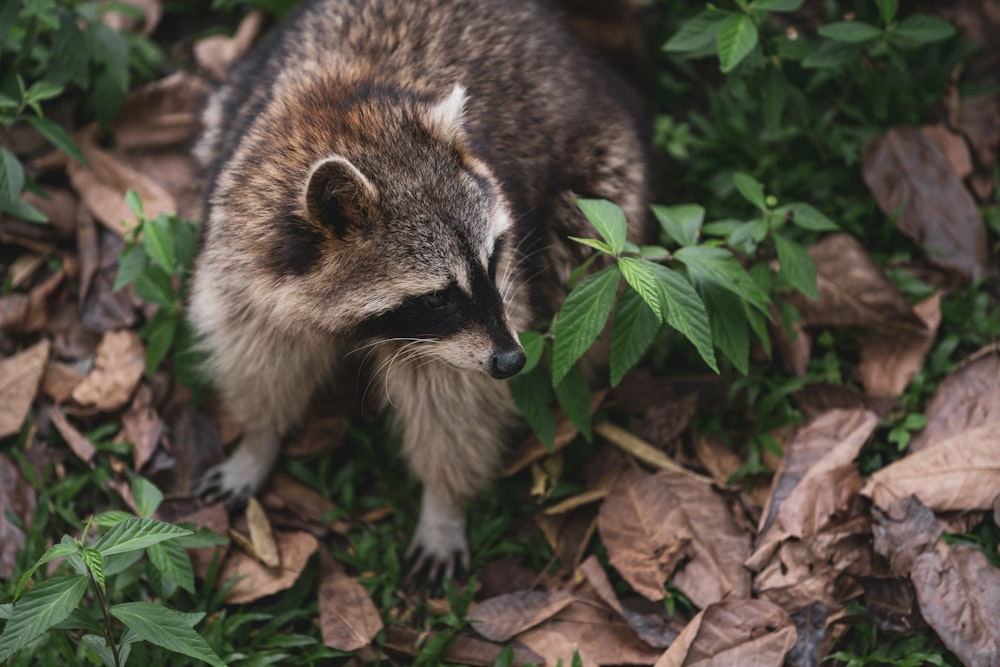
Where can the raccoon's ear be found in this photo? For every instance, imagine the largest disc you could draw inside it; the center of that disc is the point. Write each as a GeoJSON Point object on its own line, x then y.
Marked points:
{"type": "Point", "coordinates": [338, 195]}
{"type": "Point", "coordinates": [446, 117]}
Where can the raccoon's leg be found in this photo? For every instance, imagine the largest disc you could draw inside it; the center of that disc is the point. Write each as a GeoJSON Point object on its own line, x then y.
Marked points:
{"type": "Point", "coordinates": [454, 427]}
{"type": "Point", "coordinates": [266, 378]}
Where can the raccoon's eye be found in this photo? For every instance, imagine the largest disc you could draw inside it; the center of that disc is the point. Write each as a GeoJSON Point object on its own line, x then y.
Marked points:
{"type": "Point", "coordinates": [435, 300]}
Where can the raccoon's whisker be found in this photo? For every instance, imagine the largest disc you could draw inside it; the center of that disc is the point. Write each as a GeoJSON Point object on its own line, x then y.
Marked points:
{"type": "Point", "coordinates": [381, 341]}
{"type": "Point", "coordinates": [510, 271]}
{"type": "Point", "coordinates": [387, 363]}
{"type": "Point", "coordinates": [405, 352]}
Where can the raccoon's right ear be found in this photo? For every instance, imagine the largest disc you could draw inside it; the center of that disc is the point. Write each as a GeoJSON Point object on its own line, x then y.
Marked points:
{"type": "Point", "coordinates": [339, 196]}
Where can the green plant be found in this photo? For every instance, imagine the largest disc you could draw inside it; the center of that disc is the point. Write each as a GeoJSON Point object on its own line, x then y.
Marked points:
{"type": "Point", "coordinates": [58, 603]}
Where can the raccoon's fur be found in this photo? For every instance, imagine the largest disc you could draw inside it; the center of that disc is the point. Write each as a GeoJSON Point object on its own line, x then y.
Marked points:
{"type": "Point", "coordinates": [401, 176]}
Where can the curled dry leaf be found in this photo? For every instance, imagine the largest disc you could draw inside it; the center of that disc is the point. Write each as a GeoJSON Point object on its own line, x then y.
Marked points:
{"type": "Point", "coordinates": [59, 381]}
{"type": "Point", "coordinates": [958, 473]}
{"type": "Point", "coordinates": [968, 397]}
{"type": "Point", "coordinates": [17, 498]}
{"type": "Point", "coordinates": [500, 618]}
{"type": "Point", "coordinates": [348, 619]}
{"type": "Point", "coordinates": [217, 53]}
{"type": "Point", "coordinates": [256, 580]}
{"type": "Point", "coordinates": [19, 379]}
{"type": "Point", "coordinates": [118, 366]}
{"type": "Point", "coordinates": [79, 443]}
{"type": "Point", "coordinates": [142, 426]}
{"type": "Point", "coordinates": [906, 170]}
{"type": "Point", "coordinates": [737, 632]}
{"type": "Point", "coordinates": [161, 113]}
{"type": "Point", "coordinates": [644, 530]}
{"type": "Point", "coordinates": [261, 535]}
{"type": "Point", "coordinates": [889, 363]}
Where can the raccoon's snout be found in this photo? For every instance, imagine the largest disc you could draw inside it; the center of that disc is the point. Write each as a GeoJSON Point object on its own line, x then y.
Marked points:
{"type": "Point", "coordinates": [507, 362]}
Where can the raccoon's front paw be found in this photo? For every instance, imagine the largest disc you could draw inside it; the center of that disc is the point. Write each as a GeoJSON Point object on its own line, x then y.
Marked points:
{"type": "Point", "coordinates": [438, 552]}
{"type": "Point", "coordinates": [232, 481]}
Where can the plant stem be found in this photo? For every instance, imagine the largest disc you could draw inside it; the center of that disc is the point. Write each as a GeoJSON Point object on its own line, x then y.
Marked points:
{"type": "Point", "coordinates": [108, 634]}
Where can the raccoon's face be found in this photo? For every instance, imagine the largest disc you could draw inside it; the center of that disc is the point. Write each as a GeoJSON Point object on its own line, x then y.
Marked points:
{"type": "Point", "coordinates": [426, 227]}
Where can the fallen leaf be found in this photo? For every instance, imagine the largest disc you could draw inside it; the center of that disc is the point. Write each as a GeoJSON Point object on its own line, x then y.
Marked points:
{"type": "Point", "coordinates": [737, 632]}
{"type": "Point", "coordinates": [161, 113]}
{"type": "Point", "coordinates": [118, 367]}
{"type": "Point", "coordinates": [215, 518]}
{"type": "Point", "coordinates": [532, 449]}
{"type": "Point", "coordinates": [818, 397]}
{"type": "Point", "coordinates": [81, 446]}
{"type": "Point", "coordinates": [261, 535]}
{"type": "Point", "coordinates": [461, 650]}
{"type": "Point", "coordinates": [720, 461]}
{"type": "Point", "coordinates": [642, 450]}
{"type": "Point", "coordinates": [303, 500]}
{"type": "Point", "coordinates": [979, 120]}
{"type": "Point", "coordinates": [500, 618]}
{"type": "Point", "coordinates": [645, 532]}
{"type": "Point", "coordinates": [59, 381]}
{"type": "Point", "coordinates": [889, 363]}
{"type": "Point", "coordinates": [348, 619]}
{"type": "Point", "coordinates": [320, 435]}
{"type": "Point", "coordinates": [505, 575]}
{"type": "Point", "coordinates": [906, 170]}
{"type": "Point", "coordinates": [256, 580]}
{"type": "Point", "coordinates": [86, 249]}
{"type": "Point", "coordinates": [959, 473]}
{"type": "Point", "coordinates": [555, 648]}
{"type": "Point", "coordinates": [810, 630]}
{"type": "Point", "coordinates": [142, 426]}
{"type": "Point", "coordinates": [664, 422]}
{"type": "Point", "coordinates": [902, 531]}
{"type": "Point", "coordinates": [58, 205]}
{"type": "Point", "coordinates": [19, 379]}
{"type": "Point", "coordinates": [955, 150]}
{"type": "Point", "coordinates": [892, 603]}
{"type": "Point", "coordinates": [218, 52]}
{"type": "Point", "coordinates": [18, 499]}
{"type": "Point", "coordinates": [968, 397]}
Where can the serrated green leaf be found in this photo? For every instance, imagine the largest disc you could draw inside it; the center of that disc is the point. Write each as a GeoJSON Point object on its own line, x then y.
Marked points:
{"type": "Point", "coordinates": [850, 31]}
{"type": "Point", "coordinates": [697, 32]}
{"type": "Point", "coordinates": [923, 29]}
{"type": "Point", "coordinates": [147, 497]}
{"type": "Point", "coordinates": [533, 344]}
{"type": "Point", "coordinates": [22, 209]}
{"type": "Point", "coordinates": [53, 552]}
{"type": "Point", "coordinates": [134, 201]}
{"type": "Point", "coordinates": [166, 628]}
{"type": "Point", "coordinates": [594, 243]}
{"type": "Point", "coordinates": [806, 216]}
{"type": "Point", "coordinates": [887, 9]}
{"type": "Point", "coordinates": [159, 333]}
{"type": "Point", "coordinates": [11, 176]}
{"type": "Point", "coordinates": [748, 235]}
{"type": "Point", "coordinates": [608, 219]}
{"type": "Point", "coordinates": [58, 136]}
{"type": "Point", "coordinates": [797, 267]}
{"type": "Point", "coordinates": [158, 242]}
{"type": "Point", "coordinates": [110, 518]}
{"type": "Point", "coordinates": [735, 40]}
{"type": "Point", "coordinates": [153, 284]}
{"type": "Point", "coordinates": [42, 90]}
{"type": "Point", "coordinates": [832, 55]}
{"type": "Point", "coordinates": [682, 223]}
{"type": "Point", "coordinates": [633, 329]}
{"type": "Point", "coordinates": [533, 395]}
{"type": "Point", "coordinates": [729, 324]}
{"type": "Point", "coordinates": [642, 278]}
{"type": "Point", "coordinates": [654, 253]}
{"type": "Point", "coordinates": [172, 561]}
{"type": "Point", "coordinates": [42, 607]}
{"type": "Point", "coordinates": [751, 189]}
{"type": "Point", "coordinates": [135, 534]}
{"type": "Point", "coordinates": [132, 261]}
{"type": "Point", "coordinates": [778, 5]}
{"type": "Point", "coordinates": [95, 564]}
{"type": "Point", "coordinates": [583, 316]}
{"type": "Point", "coordinates": [717, 265]}
{"type": "Point", "coordinates": [99, 645]}
{"type": "Point", "coordinates": [573, 394]}
{"type": "Point", "coordinates": [684, 311]}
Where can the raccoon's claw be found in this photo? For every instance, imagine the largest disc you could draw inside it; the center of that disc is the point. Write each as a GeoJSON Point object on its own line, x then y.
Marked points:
{"type": "Point", "coordinates": [429, 571]}
{"type": "Point", "coordinates": [218, 485]}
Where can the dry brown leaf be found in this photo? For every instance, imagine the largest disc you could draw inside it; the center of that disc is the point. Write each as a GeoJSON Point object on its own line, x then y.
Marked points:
{"type": "Point", "coordinates": [889, 363]}
{"type": "Point", "coordinates": [892, 603]}
{"type": "Point", "coordinates": [969, 397]}
{"type": "Point", "coordinates": [86, 249]}
{"type": "Point", "coordinates": [215, 518]}
{"type": "Point", "coordinates": [645, 532]}
{"type": "Point", "coordinates": [906, 170]}
{"type": "Point", "coordinates": [569, 534]}
{"type": "Point", "coordinates": [818, 397]}
{"type": "Point", "coordinates": [20, 376]}
{"type": "Point", "coordinates": [142, 426]}
{"type": "Point", "coordinates": [17, 498]}
{"type": "Point", "coordinates": [59, 381]}
{"type": "Point", "coordinates": [461, 650]}
{"type": "Point", "coordinates": [218, 52]}
{"type": "Point", "coordinates": [256, 580]}
{"type": "Point", "coordinates": [505, 575]}
{"type": "Point", "coordinates": [642, 450]}
{"type": "Point", "coordinates": [118, 367]}
{"type": "Point", "coordinates": [720, 461]}
{"type": "Point", "coordinates": [261, 535]}
{"type": "Point", "coordinates": [320, 435]}
{"type": "Point", "coordinates": [532, 449]}
{"type": "Point", "coordinates": [738, 632]}
{"type": "Point", "coordinates": [577, 501]}
{"type": "Point", "coordinates": [500, 618]}
{"type": "Point", "coordinates": [979, 120]}
{"type": "Point", "coordinates": [555, 648]}
{"type": "Point", "coordinates": [348, 619]}
{"type": "Point", "coordinates": [958, 473]}
{"type": "Point", "coordinates": [287, 492]}
{"type": "Point", "coordinates": [665, 421]}
{"type": "Point", "coordinates": [81, 446]}
{"type": "Point", "coordinates": [161, 113]}
{"type": "Point", "coordinates": [955, 150]}
{"type": "Point", "coordinates": [58, 205]}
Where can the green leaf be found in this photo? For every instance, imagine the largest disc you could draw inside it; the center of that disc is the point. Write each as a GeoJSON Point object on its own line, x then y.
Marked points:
{"type": "Point", "coordinates": [797, 267]}
{"type": "Point", "coordinates": [642, 279]}
{"type": "Point", "coordinates": [751, 189]}
{"type": "Point", "coordinates": [153, 285]}
{"type": "Point", "coordinates": [58, 136]}
{"type": "Point", "coordinates": [53, 552]}
{"type": "Point", "coordinates": [729, 324]}
{"type": "Point", "coordinates": [110, 518]}
{"type": "Point", "coordinates": [159, 333]}
{"type": "Point", "coordinates": [719, 266]}
{"type": "Point", "coordinates": [608, 219]}
{"type": "Point", "coordinates": [132, 261]}
{"type": "Point", "coordinates": [11, 176]}
{"type": "Point", "coordinates": [533, 344]}
{"type": "Point", "coordinates": [533, 394]}
{"type": "Point", "coordinates": [43, 606]}
{"type": "Point", "coordinates": [158, 242]}
{"type": "Point", "coordinates": [172, 561]}
{"type": "Point", "coordinates": [42, 90]}
{"type": "Point", "coordinates": [23, 210]}
{"type": "Point", "coordinates": [850, 31]}
{"type": "Point", "coordinates": [806, 216]}
{"type": "Point", "coordinates": [735, 40]}
{"type": "Point", "coordinates": [832, 55]}
{"type": "Point", "coordinates": [95, 564]}
{"type": "Point", "coordinates": [166, 628]}
{"type": "Point", "coordinates": [923, 29]}
{"type": "Point", "coordinates": [887, 9]}
{"type": "Point", "coordinates": [778, 5]}
{"type": "Point", "coordinates": [684, 311]}
{"type": "Point", "coordinates": [682, 223]}
{"type": "Point", "coordinates": [697, 32]}
{"type": "Point", "coordinates": [136, 534]}
{"type": "Point", "coordinates": [573, 394]}
{"type": "Point", "coordinates": [594, 243]}
{"type": "Point", "coordinates": [134, 202]}
{"type": "Point", "coordinates": [583, 316]}
{"type": "Point", "coordinates": [633, 329]}
{"type": "Point", "coordinates": [147, 497]}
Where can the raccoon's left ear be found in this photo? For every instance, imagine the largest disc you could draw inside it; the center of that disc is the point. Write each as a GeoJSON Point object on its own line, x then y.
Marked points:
{"type": "Point", "coordinates": [446, 117]}
{"type": "Point", "coordinates": [338, 195]}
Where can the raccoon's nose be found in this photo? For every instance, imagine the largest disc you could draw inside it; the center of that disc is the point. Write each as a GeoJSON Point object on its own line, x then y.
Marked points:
{"type": "Point", "coordinates": [507, 362]}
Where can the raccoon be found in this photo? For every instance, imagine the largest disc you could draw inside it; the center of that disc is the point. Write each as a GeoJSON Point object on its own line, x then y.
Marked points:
{"type": "Point", "coordinates": [401, 177]}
